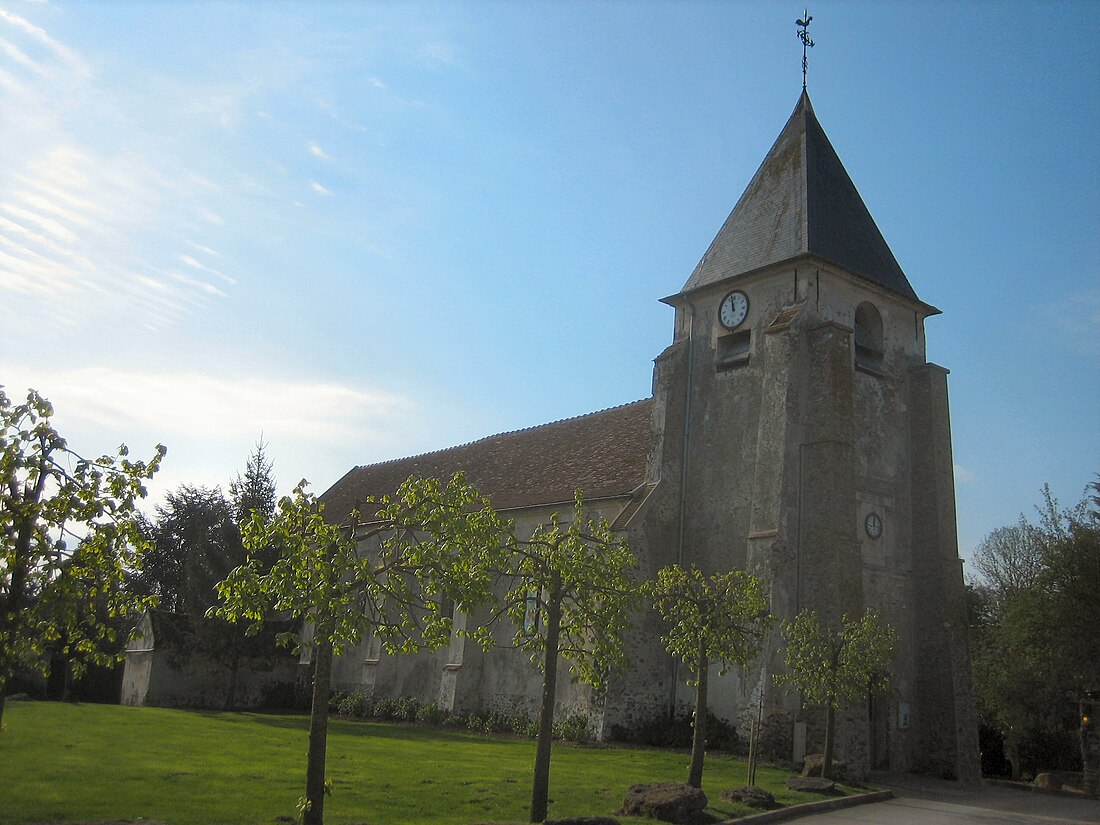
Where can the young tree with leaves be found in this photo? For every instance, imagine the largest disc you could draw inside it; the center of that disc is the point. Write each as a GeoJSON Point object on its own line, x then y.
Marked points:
{"type": "Point", "coordinates": [835, 667]}
{"type": "Point", "coordinates": [722, 619]}
{"type": "Point", "coordinates": [432, 542]}
{"type": "Point", "coordinates": [68, 540]}
{"type": "Point", "coordinates": [570, 596]}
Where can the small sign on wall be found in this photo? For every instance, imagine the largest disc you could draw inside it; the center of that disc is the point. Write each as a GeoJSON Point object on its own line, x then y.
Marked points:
{"type": "Point", "coordinates": [903, 715]}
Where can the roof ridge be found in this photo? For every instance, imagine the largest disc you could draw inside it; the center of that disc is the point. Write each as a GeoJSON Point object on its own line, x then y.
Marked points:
{"type": "Point", "coordinates": [501, 434]}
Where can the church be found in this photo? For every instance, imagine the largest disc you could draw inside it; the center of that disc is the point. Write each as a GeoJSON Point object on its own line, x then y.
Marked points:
{"type": "Point", "coordinates": [795, 430]}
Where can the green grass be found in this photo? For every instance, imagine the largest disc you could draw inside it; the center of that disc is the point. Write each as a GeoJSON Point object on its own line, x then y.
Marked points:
{"type": "Point", "coordinates": [86, 762]}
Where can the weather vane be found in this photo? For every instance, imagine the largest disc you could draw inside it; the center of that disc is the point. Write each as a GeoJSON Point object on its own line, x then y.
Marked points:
{"type": "Point", "coordinates": [807, 43]}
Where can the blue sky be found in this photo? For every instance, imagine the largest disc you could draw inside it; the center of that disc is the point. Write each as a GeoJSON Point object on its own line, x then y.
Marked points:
{"type": "Point", "coordinates": [367, 230]}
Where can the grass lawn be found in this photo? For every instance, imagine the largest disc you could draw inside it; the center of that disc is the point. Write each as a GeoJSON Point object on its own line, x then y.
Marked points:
{"type": "Point", "coordinates": [63, 762]}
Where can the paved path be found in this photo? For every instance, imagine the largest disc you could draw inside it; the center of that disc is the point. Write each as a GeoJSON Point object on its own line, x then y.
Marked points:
{"type": "Point", "coordinates": [930, 802]}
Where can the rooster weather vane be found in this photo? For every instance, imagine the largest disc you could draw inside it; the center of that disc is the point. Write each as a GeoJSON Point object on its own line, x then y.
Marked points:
{"type": "Point", "coordinates": [807, 43]}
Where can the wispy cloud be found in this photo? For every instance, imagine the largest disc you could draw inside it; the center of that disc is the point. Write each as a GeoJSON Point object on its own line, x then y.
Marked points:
{"type": "Point", "coordinates": [318, 429]}
{"type": "Point", "coordinates": [439, 52]}
{"type": "Point", "coordinates": [1077, 316]}
{"type": "Point", "coordinates": [964, 475]}
{"type": "Point", "coordinates": [205, 250]}
{"type": "Point", "coordinates": [89, 223]}
{"type": "Point", "coordinates": [318, 152]}
{"type": "Point", "coordinates": [36, 37]}
{"type": "Point", "coordinates": [319, 189]}
{"type": "Point", "coordinates": [201, 267]}
{"type": "Point", "coordinates": [199, 405]}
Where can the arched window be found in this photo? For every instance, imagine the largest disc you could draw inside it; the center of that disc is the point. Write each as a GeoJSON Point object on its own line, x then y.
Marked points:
{"type": "Point", "coordinates": [869, 348]}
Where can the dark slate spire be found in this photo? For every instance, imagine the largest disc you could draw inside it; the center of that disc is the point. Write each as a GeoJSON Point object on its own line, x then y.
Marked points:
{"type": "Point", "coordinates": [801, 201]}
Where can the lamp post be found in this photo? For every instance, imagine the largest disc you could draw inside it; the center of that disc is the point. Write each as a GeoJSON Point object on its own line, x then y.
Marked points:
{"type": "Point", "coordinates": [1089, 734]}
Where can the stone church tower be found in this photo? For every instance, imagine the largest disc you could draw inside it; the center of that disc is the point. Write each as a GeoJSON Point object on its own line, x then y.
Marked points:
{"type": "Point", "coordinates": [805, 438]}
{"type": "Point", "coordinates": [797, 431]}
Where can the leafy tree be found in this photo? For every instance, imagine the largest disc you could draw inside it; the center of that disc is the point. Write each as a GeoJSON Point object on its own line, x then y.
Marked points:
{"type": "Point", "coordinates": [68, 538]}
{"type": "Point", "coordinates": [1008, 561]}
{"type": "Point", "coordinates": [570, 596]}
{"type": "Point", "coordinates": [721, 618]}
{"type": "Point", "coordinates": [432, 543]}
{"type": "Point", "coordinates": [194, 543]}
{"type": "Point", "coordinates": [980, 604]}
{"type": "Point", "coordinates": [1036, 656]}
{"type": "Point", "coordinates": [833, 668]}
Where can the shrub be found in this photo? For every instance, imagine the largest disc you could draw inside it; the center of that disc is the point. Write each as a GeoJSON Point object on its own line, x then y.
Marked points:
{"type": "Point", "coordinates": [475, 722]}
{"type": "Point", "coordinates": [385, 709]}
{"type": "Point", "coordinates": [662, 732]}
{"type": "Point", "coordinates": [573, 728]}
{"type": "Point", "coordinates": [334, 700]}
{"type": "Point", "coordinates": [430, 714]}
{"type": "Point", "coordinates": [357, 705]}
{"type": "Point", "coordinates": [454, 720]}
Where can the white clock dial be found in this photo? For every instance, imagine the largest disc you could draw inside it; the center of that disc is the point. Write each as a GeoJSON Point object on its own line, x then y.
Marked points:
{"type": "Point", "coordinates": [733, 309]}
{"type": "Point", "coordinates": [873, 525]}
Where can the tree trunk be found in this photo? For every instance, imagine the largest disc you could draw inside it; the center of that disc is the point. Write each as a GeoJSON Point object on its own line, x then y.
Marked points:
{"type": "Point", "coordinates": [318, 733]}
{"type": "Point", "coordinates": [234, 671]}
{"type": "Point", "coordinates": [827, 759]}
{"type": "Point", "coordinates": [540, 789]}
{"type": "Point", "coordinates": [67, 678]}
{"type": "Point", "coordinates": [699, 735]}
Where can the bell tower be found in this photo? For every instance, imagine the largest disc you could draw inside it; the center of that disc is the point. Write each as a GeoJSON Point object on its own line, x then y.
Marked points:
{"type": "Point", "coordinates": [805, 438]}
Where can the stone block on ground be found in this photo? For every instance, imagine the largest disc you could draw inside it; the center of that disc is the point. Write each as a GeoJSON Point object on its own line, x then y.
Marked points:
{"type": "Point", "coordinates": [667, 801]}
{"type": "Point", "coordinates": [751, 795]}
{"type": "Point", "coordinates": [816, 761]}
{"type": "Point", "coordinates": [811, 784]}
{"type": "Point", "coordinates": [1058, 779]}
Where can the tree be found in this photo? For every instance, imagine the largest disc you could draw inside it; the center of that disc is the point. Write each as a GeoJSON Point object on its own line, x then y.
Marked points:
{"type": "Point", "coordinates": [194, 543]}
{"type": "Point", "coordinates": [256, 489]}
{"type": "Point", "coordinates": [570, 595]}
{"type": "Point", "coordinates": [68, 539]}
{"type": "Point", "coordinates": [833, 668]}
{"type": "Point", "coordinates": [434, 542]}
{"type": "Point", "coordinates": [1039, 654]}
{"type": "Point", "coordinates": [1009, 560]}
{"type": "Point", "coordinates": [721, 618]}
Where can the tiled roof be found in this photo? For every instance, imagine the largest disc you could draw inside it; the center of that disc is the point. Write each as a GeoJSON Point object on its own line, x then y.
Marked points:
{"type": "Point", "coordinates": [801, 201]}
{"type": "Point", "coordinates": [602, 454]}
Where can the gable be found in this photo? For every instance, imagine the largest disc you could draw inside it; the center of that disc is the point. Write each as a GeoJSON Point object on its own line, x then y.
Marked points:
{"type": "Point", "coordinates": [603, 454]}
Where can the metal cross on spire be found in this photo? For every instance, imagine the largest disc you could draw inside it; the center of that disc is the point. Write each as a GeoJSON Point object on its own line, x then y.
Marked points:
{"type": "Point", "coordinates": [807, 43]}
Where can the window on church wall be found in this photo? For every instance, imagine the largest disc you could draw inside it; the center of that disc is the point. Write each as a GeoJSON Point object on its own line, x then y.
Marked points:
{"type": "Point", "coordinates": [870, 351]}
{"type": "Point", "coordinates": [733, 349]}
{"type": "Point", "coordinates": [446, 606]}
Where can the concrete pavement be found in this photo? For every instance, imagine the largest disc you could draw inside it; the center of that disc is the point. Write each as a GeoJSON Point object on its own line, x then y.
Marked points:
{"type": "Point", "coordinates": [924, 801]}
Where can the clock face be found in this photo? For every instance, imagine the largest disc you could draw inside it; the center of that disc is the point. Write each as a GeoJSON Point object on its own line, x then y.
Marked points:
{"type": "Point", "coordinates": [733, 309]}
{"type": "Point", "coordinates": [873, 525]}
